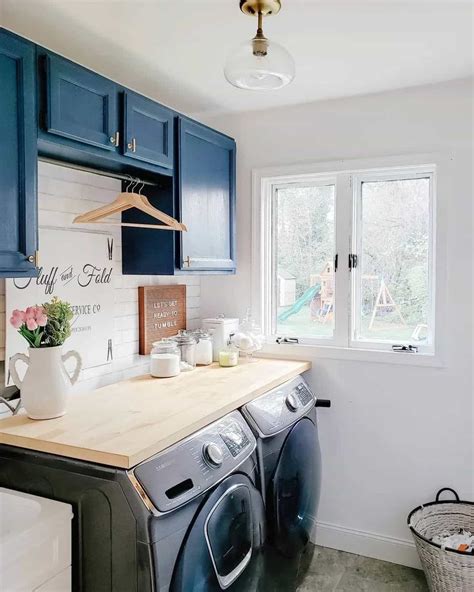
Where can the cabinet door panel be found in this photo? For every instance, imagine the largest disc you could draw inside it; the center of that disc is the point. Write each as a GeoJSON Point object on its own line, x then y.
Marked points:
{"type": "Point", "coordinates": [18, 154]}
{"type": "Point", "coordinates": [81, 105]}
{"type": "Point", "coordinates": [207, 198]}
{"type": "Point", "coordinates": [148, 131]}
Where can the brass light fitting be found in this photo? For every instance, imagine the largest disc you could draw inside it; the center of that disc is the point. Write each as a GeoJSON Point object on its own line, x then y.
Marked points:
{"type": "Point", "coordinates": [263, 7]}
{"type": "Point", "coordinates": [260, 8]}
{"type": "Point", "coordinates": [260, 64]}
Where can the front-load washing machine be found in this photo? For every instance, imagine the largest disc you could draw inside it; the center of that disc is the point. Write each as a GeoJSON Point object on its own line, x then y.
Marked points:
{"type": "Point", "coordinates": [284, 421]}
{"type": "Point", "coordinates": [189, 519]}
{"type": "Point", "coordinates": [210, 520]}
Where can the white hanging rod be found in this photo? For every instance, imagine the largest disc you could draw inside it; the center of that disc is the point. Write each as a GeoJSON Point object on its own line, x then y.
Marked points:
{"type": "Point", "coordinates": [78, 167]}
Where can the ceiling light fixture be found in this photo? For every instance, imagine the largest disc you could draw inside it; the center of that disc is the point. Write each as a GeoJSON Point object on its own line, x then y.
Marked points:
{"type": "Point", "coordinates": [260, 64]}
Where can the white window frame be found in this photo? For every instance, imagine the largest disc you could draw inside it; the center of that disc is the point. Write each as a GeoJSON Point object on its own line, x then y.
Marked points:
{"type": "Point", "coordinates": [270, 309]}
{"type": "Point", "coordinates": [421, 172]}
{"type": "Point", "coordinates": [347, 174]}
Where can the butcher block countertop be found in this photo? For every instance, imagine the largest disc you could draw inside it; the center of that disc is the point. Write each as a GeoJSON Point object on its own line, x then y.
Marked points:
{"type": "Point", "coordinates": [127, 422]}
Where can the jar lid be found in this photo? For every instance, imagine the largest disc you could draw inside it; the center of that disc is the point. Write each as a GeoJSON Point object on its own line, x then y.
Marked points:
{"type": "Point", "coordinates": [202, 334]}
{"type": "Point", "coordinates": [164, 344]}
{"type": "Point", "coordinates": [221, 321]}
{"type": "Point", "coordinates": [184, 338]}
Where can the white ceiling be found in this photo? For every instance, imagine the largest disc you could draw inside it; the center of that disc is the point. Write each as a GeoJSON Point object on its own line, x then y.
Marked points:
{"type": "Point", "coordinates": [174, 50]}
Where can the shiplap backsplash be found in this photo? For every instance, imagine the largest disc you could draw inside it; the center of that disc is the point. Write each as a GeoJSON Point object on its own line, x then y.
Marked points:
{"type": "Point", "coordinates": [64, 193]}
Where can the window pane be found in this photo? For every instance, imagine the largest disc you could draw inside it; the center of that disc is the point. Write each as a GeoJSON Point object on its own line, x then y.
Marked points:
{"type": "Point", "coordinates": [304, 239]}
{"type": "Point", "coordinates": [394, 267]}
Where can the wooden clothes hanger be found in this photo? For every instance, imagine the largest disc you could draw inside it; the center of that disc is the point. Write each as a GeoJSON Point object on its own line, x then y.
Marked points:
{"type": "Point", "coordinates": [125, 201]}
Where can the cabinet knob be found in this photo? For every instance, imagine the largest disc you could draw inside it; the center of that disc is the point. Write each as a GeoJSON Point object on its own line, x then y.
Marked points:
{"type": "Point", "coordinates": [34, 259]}
{"type": "Point", "coordinates": [132, 145]}
{"type": "Point", "coordinates": [187, 261]}
{"type": "Point", "coordinates": [115, 139]}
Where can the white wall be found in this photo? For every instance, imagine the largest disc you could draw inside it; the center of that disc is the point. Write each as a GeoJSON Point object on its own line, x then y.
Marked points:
{"type": "Point", "coordinates": [395, 433]}
{"type": "Point", "coordinates": [64, 193]}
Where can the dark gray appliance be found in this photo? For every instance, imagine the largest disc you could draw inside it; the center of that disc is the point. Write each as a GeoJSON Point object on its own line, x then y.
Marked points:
{"type": "Point", "coordinates": [284, 421]}
{"type": "Point", "coordinates": [188, 519]}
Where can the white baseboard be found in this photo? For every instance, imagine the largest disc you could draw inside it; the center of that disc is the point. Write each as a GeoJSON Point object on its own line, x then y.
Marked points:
{"type": "Point", "coordinates": [367, 544]}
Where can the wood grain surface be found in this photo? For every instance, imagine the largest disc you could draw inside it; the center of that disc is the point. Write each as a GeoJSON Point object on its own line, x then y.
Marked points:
{"type": "Point", "coordinates": [125, 423]}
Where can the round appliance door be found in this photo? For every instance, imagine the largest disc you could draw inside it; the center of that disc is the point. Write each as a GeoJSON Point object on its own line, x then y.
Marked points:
{"type": "Point", "coordinates": [223, 547]}
{"type": "Point", "coordinates": [293, 495]}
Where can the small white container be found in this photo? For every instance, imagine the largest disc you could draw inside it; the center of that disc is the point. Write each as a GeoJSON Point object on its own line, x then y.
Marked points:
{"type": "Point", "coordinates": [220, 328]}
{"type": "Point", "coordinates": [165, 359]}
{"type": "Point", "coordinates": [35, 540]}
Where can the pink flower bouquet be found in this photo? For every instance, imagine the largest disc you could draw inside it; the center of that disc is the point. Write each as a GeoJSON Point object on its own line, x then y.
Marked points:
{"type": "Point", "coordinates": [48, 325]}
{"type": "Point", "coordinates": [31, 324]}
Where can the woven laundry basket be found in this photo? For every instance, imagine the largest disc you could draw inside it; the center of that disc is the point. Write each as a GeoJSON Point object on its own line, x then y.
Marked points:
{"type": "Point", "coordinates": [446, 570]}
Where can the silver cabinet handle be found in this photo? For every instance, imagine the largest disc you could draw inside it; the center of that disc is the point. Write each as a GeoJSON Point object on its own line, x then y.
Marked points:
{"type": "Point", "coordinates": [132, 145]}
{"type": "Point", "coordinates": [115, 139]}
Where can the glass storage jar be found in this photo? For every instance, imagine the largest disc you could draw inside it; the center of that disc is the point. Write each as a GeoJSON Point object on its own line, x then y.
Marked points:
{"type": "Point", "coordinates": [187, 346]}
{"type": "Point", "coordinates": [229, 356]}
{"type": "Point", "coordinates": [165, 359]}
{"type": "Point", "coordinates": [203, 347]}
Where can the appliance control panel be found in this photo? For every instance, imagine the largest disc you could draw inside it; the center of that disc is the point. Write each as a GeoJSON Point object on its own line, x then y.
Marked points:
{"type": "Point", "coordinates": [185, 470]}
{"type": "Point", "coordinates": [281, 407]}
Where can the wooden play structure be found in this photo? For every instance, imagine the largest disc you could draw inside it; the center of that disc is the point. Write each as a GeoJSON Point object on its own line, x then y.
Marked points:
{"type": "Point", "coordinates": [385, 303]}
{"type": "Point", "coordinates": [320, 297]}
{"type": "Point", "coordinates": [322, 306]}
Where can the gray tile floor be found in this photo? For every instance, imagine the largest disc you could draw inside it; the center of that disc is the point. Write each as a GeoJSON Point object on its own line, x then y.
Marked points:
{"type": "Point", "coordinates": [327, 570]}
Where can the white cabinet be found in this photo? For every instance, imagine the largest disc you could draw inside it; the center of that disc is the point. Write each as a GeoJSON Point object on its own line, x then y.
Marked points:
{"type": "Point", "coordinates": [35, 542]}
{"type": "Point", "coordinates": [60, 583]}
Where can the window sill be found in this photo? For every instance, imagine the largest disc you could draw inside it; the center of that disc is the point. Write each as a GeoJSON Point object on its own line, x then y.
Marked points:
{"type": "Point", "coordinates": [299, 351]}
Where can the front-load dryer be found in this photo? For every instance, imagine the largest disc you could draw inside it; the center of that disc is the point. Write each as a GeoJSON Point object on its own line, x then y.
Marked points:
{"type": "Point", "coordinates": [284, 421]}
{"type": "Point", "coordinates": [209, 524]}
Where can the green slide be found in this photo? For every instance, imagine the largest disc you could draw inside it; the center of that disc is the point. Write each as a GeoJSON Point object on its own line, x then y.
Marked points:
{"type": "Point", "coordinates": [302, 301]}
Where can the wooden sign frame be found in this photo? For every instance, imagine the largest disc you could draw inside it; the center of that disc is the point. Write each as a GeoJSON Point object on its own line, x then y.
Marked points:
{"type": "Point", "coordinates": [161, 313]}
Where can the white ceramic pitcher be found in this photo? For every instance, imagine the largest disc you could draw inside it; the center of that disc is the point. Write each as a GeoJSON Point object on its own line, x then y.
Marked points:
{"type": "Point", "coordinates": [46, 384]}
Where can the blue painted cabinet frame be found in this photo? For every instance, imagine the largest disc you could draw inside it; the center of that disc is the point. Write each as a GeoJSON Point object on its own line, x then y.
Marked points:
{"type": "Point", "coordinates": [81, 105]}
{"type": "Point", "coordinates": [148, 130]}
{"type": "Point", "coordinates": [18, 157]}
{"type": "Point", "coordinates": [206, 198]}
{"type": "Point", "coordinates": [193, 166]}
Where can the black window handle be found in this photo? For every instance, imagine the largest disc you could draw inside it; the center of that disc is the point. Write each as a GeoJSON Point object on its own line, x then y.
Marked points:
{"type": "Point", "coordinates": [353, 261]}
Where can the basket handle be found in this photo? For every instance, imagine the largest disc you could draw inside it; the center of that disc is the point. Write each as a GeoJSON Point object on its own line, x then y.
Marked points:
{"type": "Point", "coordinates": [447, 489]}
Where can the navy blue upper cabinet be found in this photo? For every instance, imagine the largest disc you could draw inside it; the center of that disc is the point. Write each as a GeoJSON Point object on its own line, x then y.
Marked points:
{"type": "Point", "coordinates": [81, 105]}
{"type": "Point", "coordinates": [18, 157]}
{"type": "Point", "coordinates": [148, 133]}
{"type": "Point", "coordinates": [206, 198]}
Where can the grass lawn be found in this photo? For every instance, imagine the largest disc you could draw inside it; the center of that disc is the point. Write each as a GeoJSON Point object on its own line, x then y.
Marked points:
{"type": "Point", "coordinates": [301, 325]}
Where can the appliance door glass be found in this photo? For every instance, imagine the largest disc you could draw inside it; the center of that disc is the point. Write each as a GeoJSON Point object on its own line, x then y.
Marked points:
{"type": "Point", "coordinates": [229, 534]}
{"type": "Point", "coordinates": [294, 489]}
{"type": "Point", "coordinates": [222, 550]}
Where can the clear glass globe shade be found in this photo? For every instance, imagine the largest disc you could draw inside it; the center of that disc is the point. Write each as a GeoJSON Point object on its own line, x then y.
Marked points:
{"type": "Point", "coordinates": [272, 71]}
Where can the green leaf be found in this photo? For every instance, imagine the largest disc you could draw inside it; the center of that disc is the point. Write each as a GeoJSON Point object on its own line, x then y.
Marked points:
{"type": "Point", "coordinates": [58, 327]}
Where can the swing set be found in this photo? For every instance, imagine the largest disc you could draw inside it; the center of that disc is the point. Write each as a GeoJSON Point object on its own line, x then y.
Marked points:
{"type": "Point", "coordinates": [385, 303]}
